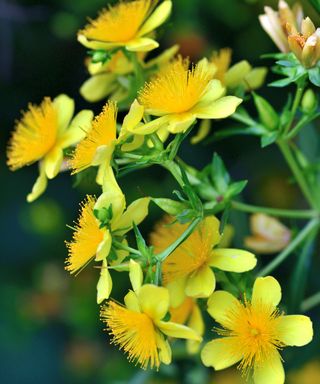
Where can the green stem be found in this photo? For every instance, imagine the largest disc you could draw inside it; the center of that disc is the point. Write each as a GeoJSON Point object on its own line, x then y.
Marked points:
{"type": "Point", "coordinates": [310, 302]}
{"type": "Point", "coordinates": [295, 105]}
{"type": "Point", "coordinates": [126, 248]}
{"type": "Point", "coordinates": [174, 169]}
{"type": "Point", "coordinates": [301, 124]}
{"type": "Point", "coordinates": [290, 248]}
{"type": "Point", "coordinates": [296, 214]}
{"type": "Point", "coordinates": [297, 172]}
{"type": "Point", "coordinates": [242, 119]}
{"type": "Point", "coordinates": [163, 255]}
{"type": "Point", "coordinates": [156, 141]}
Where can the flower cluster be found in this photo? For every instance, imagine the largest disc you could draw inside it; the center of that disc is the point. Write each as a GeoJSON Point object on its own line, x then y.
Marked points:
{"type": "Point", "coordinates": [187, 266]}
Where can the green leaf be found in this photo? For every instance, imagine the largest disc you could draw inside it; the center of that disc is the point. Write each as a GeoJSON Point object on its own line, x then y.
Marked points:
{"type": "Point", "coordinates": [219, 174]}
{"type": "Point", "coordinates": [269, 139]}
{"type": "Point", "coordinates": [314, 75]}
{"type": "Point", "coordinates": [236, 188]}
{"type": "Point", "coordinates": [316, 5]}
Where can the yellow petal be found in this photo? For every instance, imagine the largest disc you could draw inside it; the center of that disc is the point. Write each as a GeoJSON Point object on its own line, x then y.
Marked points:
{"type": "Point", "coordinates": [64, 106]}
{"type": "Point", "coordinates": [270, 372]}
{"type": "Point", "coordinates": [232, 260]}
{"type": "Point", "coordinates": [178, 331]}
{"type": "Point", "coordinates": [201, 283]}
{"type": "Point", "coordinates": [221, 353]}
{"type": "Point", "coordinates": [135, 213]}
{"type": "Point", "coordinates": [52, 162]}
{"type": "Point", "coordinates": [94, 44]}
{"type": "Point", "coordinates": [151, 127]}
{"type": "Point", "coordinates": [236, 74]}
{"type": "Point", "coordinates": [131, 301]}
{"type": "Point", "coordinates": [203, 132]}
{"type": "Point", "coordinates": [98, 87]}
{"type": "Point", "coordinates": [142, 44]}
{"type": "Point", "coordinates": [158, 17]}
{"type": "Point", "coordinates": [195, 322]}
{"type": "Point", "coordinates": [78, 128]}
{"type": "Point", "coordinates": [266, 290]}
{"type": "Point", "coordinates": [180, 123]}
{"type": "Point", "coordinates": [177, 291]}
{"type": "Point", "coordinates": [164, 57]}
{"type": "Point", "coordinates": [165, 353]}
{"type": "Point", "coordinates": [104, 285]}
{"type": "Point", "coordinates": [219, 303]}
{"type": "Point", "coordinates": [39, 186]}
{"type": "Point", "coordinates": [135, 274]}
{"type": "Point", "coordinates": [133, 118]}
{"type": "Point", "coordinates": [213, 92]}
{"type": "Point", "coordinates": [219, 109]}
{"type": "Point", "coordinates": [295, 330]}
{"type": "Point", "coordinates": [154, 301]}
{"type": "Point", "coordinates": [104, 247]}
{"type": "Point", "coordinates": [134, 144]}
{"type": "Point", "coordinates": [255, 78]}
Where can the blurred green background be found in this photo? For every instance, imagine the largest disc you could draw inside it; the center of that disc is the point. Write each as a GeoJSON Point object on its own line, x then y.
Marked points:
{"type": "Point", "coordinates": [50, 329]}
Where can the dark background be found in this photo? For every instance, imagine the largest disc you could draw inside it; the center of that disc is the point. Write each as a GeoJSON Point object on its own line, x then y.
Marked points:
{"type": "Point", "coordinates": [49, 323]}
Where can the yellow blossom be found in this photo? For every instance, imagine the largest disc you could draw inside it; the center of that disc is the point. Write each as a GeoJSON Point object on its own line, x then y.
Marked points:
{"type": "Point", "coordinates": [96, 149]}
{"type": "Point", "coordinates": [127, 24]}
{"type": "Point", "coordinates": [91, 241]}
{"type": "Point", "coordinates": [253, 332]}
{"type": "Point", "coordinates": [178, 96]}
{"type": "Point", "coordinates": [269, 235]}
{"type": "Point", "coordinates": [188, 270]}
{"type": "Point", "coordinates": [139, 327]}
{"type": "Point", "coordinates": [42, 134]}
{"type": "Point", "coordinates": [240, 74]}
{"type": "Point", "coordinates": [108, 79]}
{"type": "Point", "coordinates": [190, 314]}
{"type": "Point", "coordinates": [274, 23]}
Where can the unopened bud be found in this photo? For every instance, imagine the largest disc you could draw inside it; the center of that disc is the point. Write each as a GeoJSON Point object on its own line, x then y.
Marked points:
{"type": "Point", "coordinates": [268, 116]}
{"type": "Point", "coordinates": [309, 101]}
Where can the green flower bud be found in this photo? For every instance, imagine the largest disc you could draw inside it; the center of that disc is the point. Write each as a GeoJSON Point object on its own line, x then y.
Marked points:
{"type": "Point", "coordinates": [268, 116]}
{"type": "Point", "coordinates": [309, 101]}
{"type": "Point", "coordinates": [169, 206]}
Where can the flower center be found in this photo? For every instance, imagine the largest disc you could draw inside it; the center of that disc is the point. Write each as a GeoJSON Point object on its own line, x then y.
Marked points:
{"type": "Point", "coordinates": [134, 332]}
{"type": "Point", "coordinates": [176, 89]}
{"type": "Point", "coordinates": [119, 23]}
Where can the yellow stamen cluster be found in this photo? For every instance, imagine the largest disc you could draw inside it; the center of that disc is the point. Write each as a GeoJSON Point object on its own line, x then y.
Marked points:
{"type": "Point", "coordinates": [103, 132]}
{"type": "Point", "coordinates": [134, 332]}
{"type": "Point", "coordinates": [254, 329]}
{"type": "Point", "coordinates": [34, 136]}
{"type": "Point", "coordinates": [119, 23]}
{"type": "Point", "coordinates": [188, 257]}
{"type": "Point", "coordinates": [176, 89]}
{"type": "Point", "coordinates": [86, 238]}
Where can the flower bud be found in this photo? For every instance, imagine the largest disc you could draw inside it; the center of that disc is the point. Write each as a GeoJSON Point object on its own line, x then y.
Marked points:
{"type": "Point", "coordinates": [309, 101]}
{"type": "Point", "coordinates": [268, 116]}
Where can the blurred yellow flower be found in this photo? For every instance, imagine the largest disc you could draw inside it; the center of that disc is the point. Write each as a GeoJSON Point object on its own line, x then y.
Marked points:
{"type": "Point", "coordinates": [239, 74]}
{"type": "Point", "coordinates": [92, 241]}
{"type": "Point", "coordinates": [139, 327]}
{"type": "Point", "coordinates": [126, 24]}
{"type": "Point", "coordinates": [109, 78]}
{"type": "Point", "coordinates": [188, 270]}
{"type": "Point", "coordinates": [274, 23]}
{"type": "Point", "coordinates": [269, 235]}
{"type": "Point", "coordinates": [253, 332]}
{"type": "Point", "coordinates": [308, 374]}
{"type": "Point", "coordinates": [42, 134]}
{"type": "Point", "coordinates": [178, 96]}
{"type": "Point", "coordinates": [190, 314]}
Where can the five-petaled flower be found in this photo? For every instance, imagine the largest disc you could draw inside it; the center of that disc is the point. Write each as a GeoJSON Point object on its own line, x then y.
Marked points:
{"type": "Point", "coordinates": [253, 331]}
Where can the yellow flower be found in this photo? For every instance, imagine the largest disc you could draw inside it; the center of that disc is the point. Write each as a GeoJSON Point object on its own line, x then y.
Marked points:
{"type": "Point", "coordinates": [178, 96]}
{"type": "Point", "coordinates": [240, 74]}
{"type": "Point", "coordinates": [139, 327]}
{"type": "Point", "coordinates": [90, 241]}
{"type": "Point", "coordinates": [308, 374]}
{"type": "Point", "coordinates": [109, 78]}
{"type": "Point", "coordinates": [190, 314]}
{"type": "Point", "coordinates": [274, 23]}
{"type": "Point", "coordinates": [96, 149]}
{"type": "Point", "coordinates": [187, 271]}
{"type": "Point", "coordinates": [42, 134]}
{"type": "Point", "coordinates": [253, 332]}
{"type": "Point", "coordinates": [269, 235]}
{"type": "Point", "coordinates": [126, 24]}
